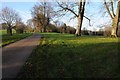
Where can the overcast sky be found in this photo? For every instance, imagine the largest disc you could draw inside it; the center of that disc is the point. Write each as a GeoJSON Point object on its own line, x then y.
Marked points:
{"type": "Point", "coordinates": [92, 11]}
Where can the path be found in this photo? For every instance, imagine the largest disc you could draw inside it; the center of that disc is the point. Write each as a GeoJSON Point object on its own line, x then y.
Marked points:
{"type": "Point", "coordinates": [15, 55]}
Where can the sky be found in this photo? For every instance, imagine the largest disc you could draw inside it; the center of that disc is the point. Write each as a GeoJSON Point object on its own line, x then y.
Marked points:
{"type": "Point", "coordinates": [23, 8]}
{"type": "Point", "coordinates": [92, 11]}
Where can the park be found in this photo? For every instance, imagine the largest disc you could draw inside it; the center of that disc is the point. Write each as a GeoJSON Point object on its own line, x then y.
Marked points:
{"type": "Point", "coordinates": [60, 40]}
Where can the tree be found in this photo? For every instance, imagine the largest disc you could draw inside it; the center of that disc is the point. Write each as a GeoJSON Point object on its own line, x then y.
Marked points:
{"type": "Point", "coordinates": [107, 31]}
{"type": "Point", "coordinates": [41, 15]}
{"type": "Point", "coordinates": [64, 28]}
{"type": "Point", "coordinates": [114, 17]}
{"type": "Point", "coordinates": [70, 30]}
{"type": "Point", "coordinates": [19, 27]}
{"type": "Point", "coordinates": [30, 26]}
{"type": "Point", "coordinates": [51, 28]}
{"type": "Point", "coordinates": [4, 26]}
{"type": "Point", "coordinates": [79, 15]}
{"type": "Point", "coordinates": [10, 17]}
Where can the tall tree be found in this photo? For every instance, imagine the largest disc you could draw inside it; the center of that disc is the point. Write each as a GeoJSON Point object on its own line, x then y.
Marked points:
{"type": "Point", "coordinates": [42, 14]}
{"type": "Point", "coordinates": [10, 17]}
{"type": "Point", "coordinates": [114, 16]}
{"type": "Point", "coordinates": [79, 15]}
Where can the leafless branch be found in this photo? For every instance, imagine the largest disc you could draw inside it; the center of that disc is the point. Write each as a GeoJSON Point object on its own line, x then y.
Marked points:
{"type": "Point", "coordinates": [66, 8]}
{"type": "Point", "coordinates": [105, 4]}
{"type": "Point", "coordinates": [72, 18]}
{"type": "Point", "coordinates": [111, 3]}
{"type": "Point", "coordinates": [88, 20]}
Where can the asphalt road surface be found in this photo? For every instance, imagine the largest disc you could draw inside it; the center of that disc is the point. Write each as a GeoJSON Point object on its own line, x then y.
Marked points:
{"type": "Point", "coordinates": [15, 55]}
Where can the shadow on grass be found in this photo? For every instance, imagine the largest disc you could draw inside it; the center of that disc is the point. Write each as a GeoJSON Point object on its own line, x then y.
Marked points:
{"type": "Point", "coordinates": [101, 60]}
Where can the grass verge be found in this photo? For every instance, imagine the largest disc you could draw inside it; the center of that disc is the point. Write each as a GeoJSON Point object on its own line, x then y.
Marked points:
{"type": "Point", "coordinates": [15, 37]}
{"type": "Point", "coordinates": [67, 56]}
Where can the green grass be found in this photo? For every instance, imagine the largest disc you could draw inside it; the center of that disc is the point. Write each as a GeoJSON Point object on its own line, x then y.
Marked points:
{"type": "Point", "coordinates": [67, 56]}
{"type": "Point", "coordinates": [5, 39]}
{"type": "Point", "coordinates": [15, 37]}
{"type": "Point", "coordinates": [3, 32]}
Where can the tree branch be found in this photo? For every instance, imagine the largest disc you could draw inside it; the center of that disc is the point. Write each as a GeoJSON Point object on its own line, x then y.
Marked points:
{"type": "Point", "coordinates": [80, 6]}
{"type": "Point", "coordinates": [111, 2]}
{"type": "Point", "coordinates": [66, 8]}
{"type": "Point", "coordinates": [61, 15]}
{"type": "Point", "coordinates": [108, 9]}
{"type": "Point", "coordinates": [72, 18]}
{"type": "Point", "coordinates": [87, 19]}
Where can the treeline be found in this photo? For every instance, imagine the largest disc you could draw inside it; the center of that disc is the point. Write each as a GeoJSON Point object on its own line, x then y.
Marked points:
{"type": "Point", "coordinates": [21, 28]}
{"type": "Point", "coordinates": [107, 31]}
{"type": "Point", "coordinates": [18, 27]}
{"type": "Point", "coordinates": [59, 29]}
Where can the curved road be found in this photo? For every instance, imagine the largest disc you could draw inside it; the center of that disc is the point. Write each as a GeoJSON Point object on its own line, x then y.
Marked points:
{"type": "Point", "coordinates": [15, 55]}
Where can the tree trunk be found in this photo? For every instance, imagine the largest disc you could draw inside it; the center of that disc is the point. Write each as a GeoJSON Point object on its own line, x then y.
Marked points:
{"type": "Point", "coordinates": [9, 31]}
{"type": "Point", "coordinates": [118, 17]}
{"type": "Point", "coordinates": [80, 21]}
{"type": "Point", "coordinates": [78, 31]}
{"type": "Point", "coordinates": [44, 28]}
{"type": "Point", "coordinates": [114, 28]}
{"type": "Point", "coordinates": [115, 22]}
{"type": "Point", "coordinates": [81, 9]}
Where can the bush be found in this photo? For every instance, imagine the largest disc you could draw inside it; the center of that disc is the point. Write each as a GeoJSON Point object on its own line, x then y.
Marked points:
{"type": "Point", "coordinates": [63, 28]}
{"type": "Point", "coordinates": [84, 32]}
{"type": "Point", "coordinates": [3, 26]}
{"type": "Point", "coordinates": [60, 29]}
{"type": "Point", "coordinates": [19, 31]}
{"type": "Point", "coordinates": [67, 29]}
{"type": "Point", "coordinates": [51, 28]}
{"type": "Point", "coordinates": [107, 31]}
{"type": "Point", "coordinates": [100, 33]}
{"type": "Point", "coordinates": [70, 30]}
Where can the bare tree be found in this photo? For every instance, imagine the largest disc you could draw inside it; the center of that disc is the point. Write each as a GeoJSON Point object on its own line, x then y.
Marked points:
{"type": "Point", "coordinates": [19, 27]}
{"type": "Point", "coordinates": [114, 16]}
{"type": "Point", "coordinates": [10, 17]}
{"type": "Point", "coordinates": [79, 14]}
{"type": "Point", "coordinates": [42, 14]}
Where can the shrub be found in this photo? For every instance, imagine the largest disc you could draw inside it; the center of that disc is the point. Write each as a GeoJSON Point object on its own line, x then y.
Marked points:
{"type": "Point", "coordinates": [84, 32]}
{"type": "Point", "coordinates": [51, 28]}
{"type": "Point", "coordinates": [70, 30]}
{"type": "Point", "coordinates": [3, 26]}
{"type": "Point", "coordinates": [107, 31]}
{"type": "Point", "coordinates": [19, 31]}
{"type": "Point", "coordinates": [100, 33]}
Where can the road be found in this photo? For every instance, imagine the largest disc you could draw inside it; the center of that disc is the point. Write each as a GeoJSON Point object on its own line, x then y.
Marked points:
{"type": "Point", "coordinates": [15, 55]}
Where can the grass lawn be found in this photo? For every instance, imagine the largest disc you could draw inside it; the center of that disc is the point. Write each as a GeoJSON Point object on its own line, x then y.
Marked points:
{"type": "Point", "coordinates": [67, 56]}
{"type": "Point", "coordinates": [3, 32]}
{"type": "Point", "coordinates": [15, 37]}
{"type": "Point", "coordinates": [5, 39]}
